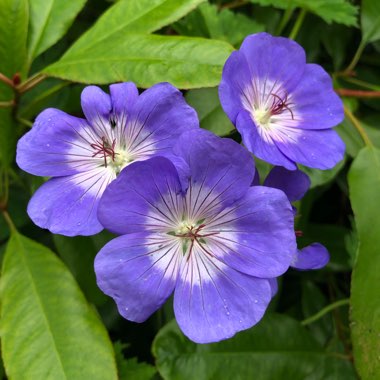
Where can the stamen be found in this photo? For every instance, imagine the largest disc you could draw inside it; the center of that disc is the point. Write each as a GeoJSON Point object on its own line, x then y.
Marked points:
{"type": "Point", "coordinates": [105, 149]}
{"type": "Point", "coordinates": [279, 104]}
{"type": "Point", "coordinates": [193, 233]}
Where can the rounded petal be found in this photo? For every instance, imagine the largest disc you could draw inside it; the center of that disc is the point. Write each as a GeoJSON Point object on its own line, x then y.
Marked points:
{"type": "Point", "coordinates": [213, 302]}
{"type": "Point", "coordinates": [256, 235]}
{"type": "Point", "coordinates": [314, 256]}
{"type": "Point", "coordinates": [294, 183]}
{"type": "Point", "coordinates": [278, 59]}
{"type": "Point", "coordinates": [139, 272]}
{"type": "Point", "coordinates": [320, 149]}
{"type": "Point", "coordinates": [182, 169]}
{"type": "Point", "coordinates": [236, 77]}
{"type": "Point", "coordinates": [144, 196]}
{"type": "Point", "coordinates": [123, 98]}
{"type": "Point", "coordinates": [260, 142]}
{"type": "Point", "coordinates": [68, 205]}
{"type": "Point", "coordinates": [273, 285]}
{"type": "Point", "coordinates": [96, 106]}
{"type": "Point", "coordinates": [159, 116]}
{"type": "Point", "coordinates": [317, 106]}
{"type": "Point", "coordinates": [55, 146]}
{"type": "Point", "coordinates": [218, 167]}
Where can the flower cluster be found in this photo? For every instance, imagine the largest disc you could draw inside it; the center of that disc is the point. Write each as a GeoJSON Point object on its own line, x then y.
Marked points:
{"type": "Point", "coordinates": [193, 219]}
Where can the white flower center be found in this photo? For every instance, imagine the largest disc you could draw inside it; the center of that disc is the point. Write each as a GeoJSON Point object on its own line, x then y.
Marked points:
{"type": "Point", "coordinates": [262, 117]}
{"type": "Point", "coordinates": [269, 105]}
{"type": "Point", "coordinates": [183, 228]}
{"type": "Point", "coordinates": [120, 160]}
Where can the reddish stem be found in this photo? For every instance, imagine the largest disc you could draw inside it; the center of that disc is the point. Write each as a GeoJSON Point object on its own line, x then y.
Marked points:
{"type": "Point", "coordinates": [6, 80]}
{"type": "Point", "coordinates": [358, 93]}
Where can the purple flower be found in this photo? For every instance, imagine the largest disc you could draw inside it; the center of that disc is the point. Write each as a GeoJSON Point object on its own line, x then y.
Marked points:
{"type": "Point", "coordinates": [283, 107]}
{"type": "Point", "coordinates": [199, 230]}
{"type": "Point", "coordinates": [85, 155]}
{"type": "Point", "coordinates": [295, 184]}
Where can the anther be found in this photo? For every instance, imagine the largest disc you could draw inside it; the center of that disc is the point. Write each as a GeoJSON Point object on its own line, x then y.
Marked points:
{"type": "Point", "coordinates": [105, 150]}
{"type": "Point", "coordinates": [279, 104]}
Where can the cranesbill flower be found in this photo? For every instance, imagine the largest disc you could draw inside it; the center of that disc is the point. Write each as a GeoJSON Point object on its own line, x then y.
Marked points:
{"type": "Point", "coordinates": [295, 184]}
{"type": "Point", "coordinates": [283, 107]}
{"type": "Point", "coordinates": [199, 230]}
{"type": "Point", "coordinates": [85, 155]}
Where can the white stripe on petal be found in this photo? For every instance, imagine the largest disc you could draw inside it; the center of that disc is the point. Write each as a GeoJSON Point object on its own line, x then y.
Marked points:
{"type": "Point", "coordinates": [93, 181]}
{"type": "Point", "coordinates": [81, 151]}
{"type": "Point", "coordinates": [261, 99]}
{"type": "Point", "coordinates": [164, 253]}
{"type": "Point", "coordinates": [200, 265]}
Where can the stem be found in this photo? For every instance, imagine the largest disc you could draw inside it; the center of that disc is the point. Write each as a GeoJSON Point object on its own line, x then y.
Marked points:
{"type": "Point", "coordinates": [284, 20]}
{"type": "Point", "coordinates": [9, 103]}
{"type": "Point", "coordinates": [358, 93]}
{"type": "Point", "coordinates": [362, 83]}
{"type": "Point", "coordinates": [325, 310]}
{"type": "Point", "coordinates": [341, 356]}
{"type": "Point", "coordinates": [356, 58]}
{"type": "Point", "coordinates": [358, 126]}
{"type": "Point", "coordinates": [4, 188]}
{"type": "Point", "coordinates": [6, 80]}
{"type": "Point", "coordinates": [9, 221]}
{"type": "Point", "coordinates": [25, 122]}
{"type": "Point", "coordinates": [31, 82]}
{"type": "Point", "coordinates": [298, 24]}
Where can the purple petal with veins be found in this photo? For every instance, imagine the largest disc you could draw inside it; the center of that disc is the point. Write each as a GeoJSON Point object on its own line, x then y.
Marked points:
{"type": "Point", "coordinates": [283, 107]}
{"type": "Point", "coordinates": [218, 240]}
{"type": "Point", "coordinates": [85, 155]}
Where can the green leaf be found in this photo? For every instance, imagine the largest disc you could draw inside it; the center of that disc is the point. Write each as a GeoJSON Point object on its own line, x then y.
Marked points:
{"type": "Point", "coordinates": [277, 348]}
{"type": "Point", "coordinates": [352, 138]}
{"type": "Point", "coordinates": [210, 112]}
{"type": "Point", "coordinates": [49, 93]}
{"type": "Point", "coordinates": [146, 59]}
{"type": "Point", "coordinates": [49, 21]}
{"type": "Point", "coordinates": [321, 177]}
{"type": "Point", "coordinates": [236, 26]}
{"type": "Point", "coordinates": [313, 300]}
{"type": "Point", "coordinates": [13, 36]}
{"type": "Point", "coordinates": [371, 128]}
{"type": "Point", "coordinates": [133, 16]}
{"type": "Point", "coordinates": [78, 253]}
{"type": "Point", "coordinates": [339, 11]}
{"type": "Point", "coordinates": [131, 368]}
{"type": "Point", "coordinates": [364, 184]}
{"type": "Point", "coordinates": [16, 207]}
{"type": "Point", "coordinates": [48, 331]}
{"type": "Point", "coordinates": [336, 40]}
{"type": "Point", "coordinates": [370, 20]}
{"type": "Point", "coordinates": [8, 139]}
{"type": "Point", "coordinates": [14, 18]}
{"type": "Point", "coordinates": [207, 21]}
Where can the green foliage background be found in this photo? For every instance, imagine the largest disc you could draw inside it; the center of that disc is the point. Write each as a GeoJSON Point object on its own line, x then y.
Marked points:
{"type": "Point", "coordinates": [56, 324]}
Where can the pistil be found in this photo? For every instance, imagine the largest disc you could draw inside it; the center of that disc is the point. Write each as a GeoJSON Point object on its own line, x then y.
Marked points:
{"type": "Point", "coordinates": [104, 149]}
{"type": "Point", "coordinates": [279, 105]}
